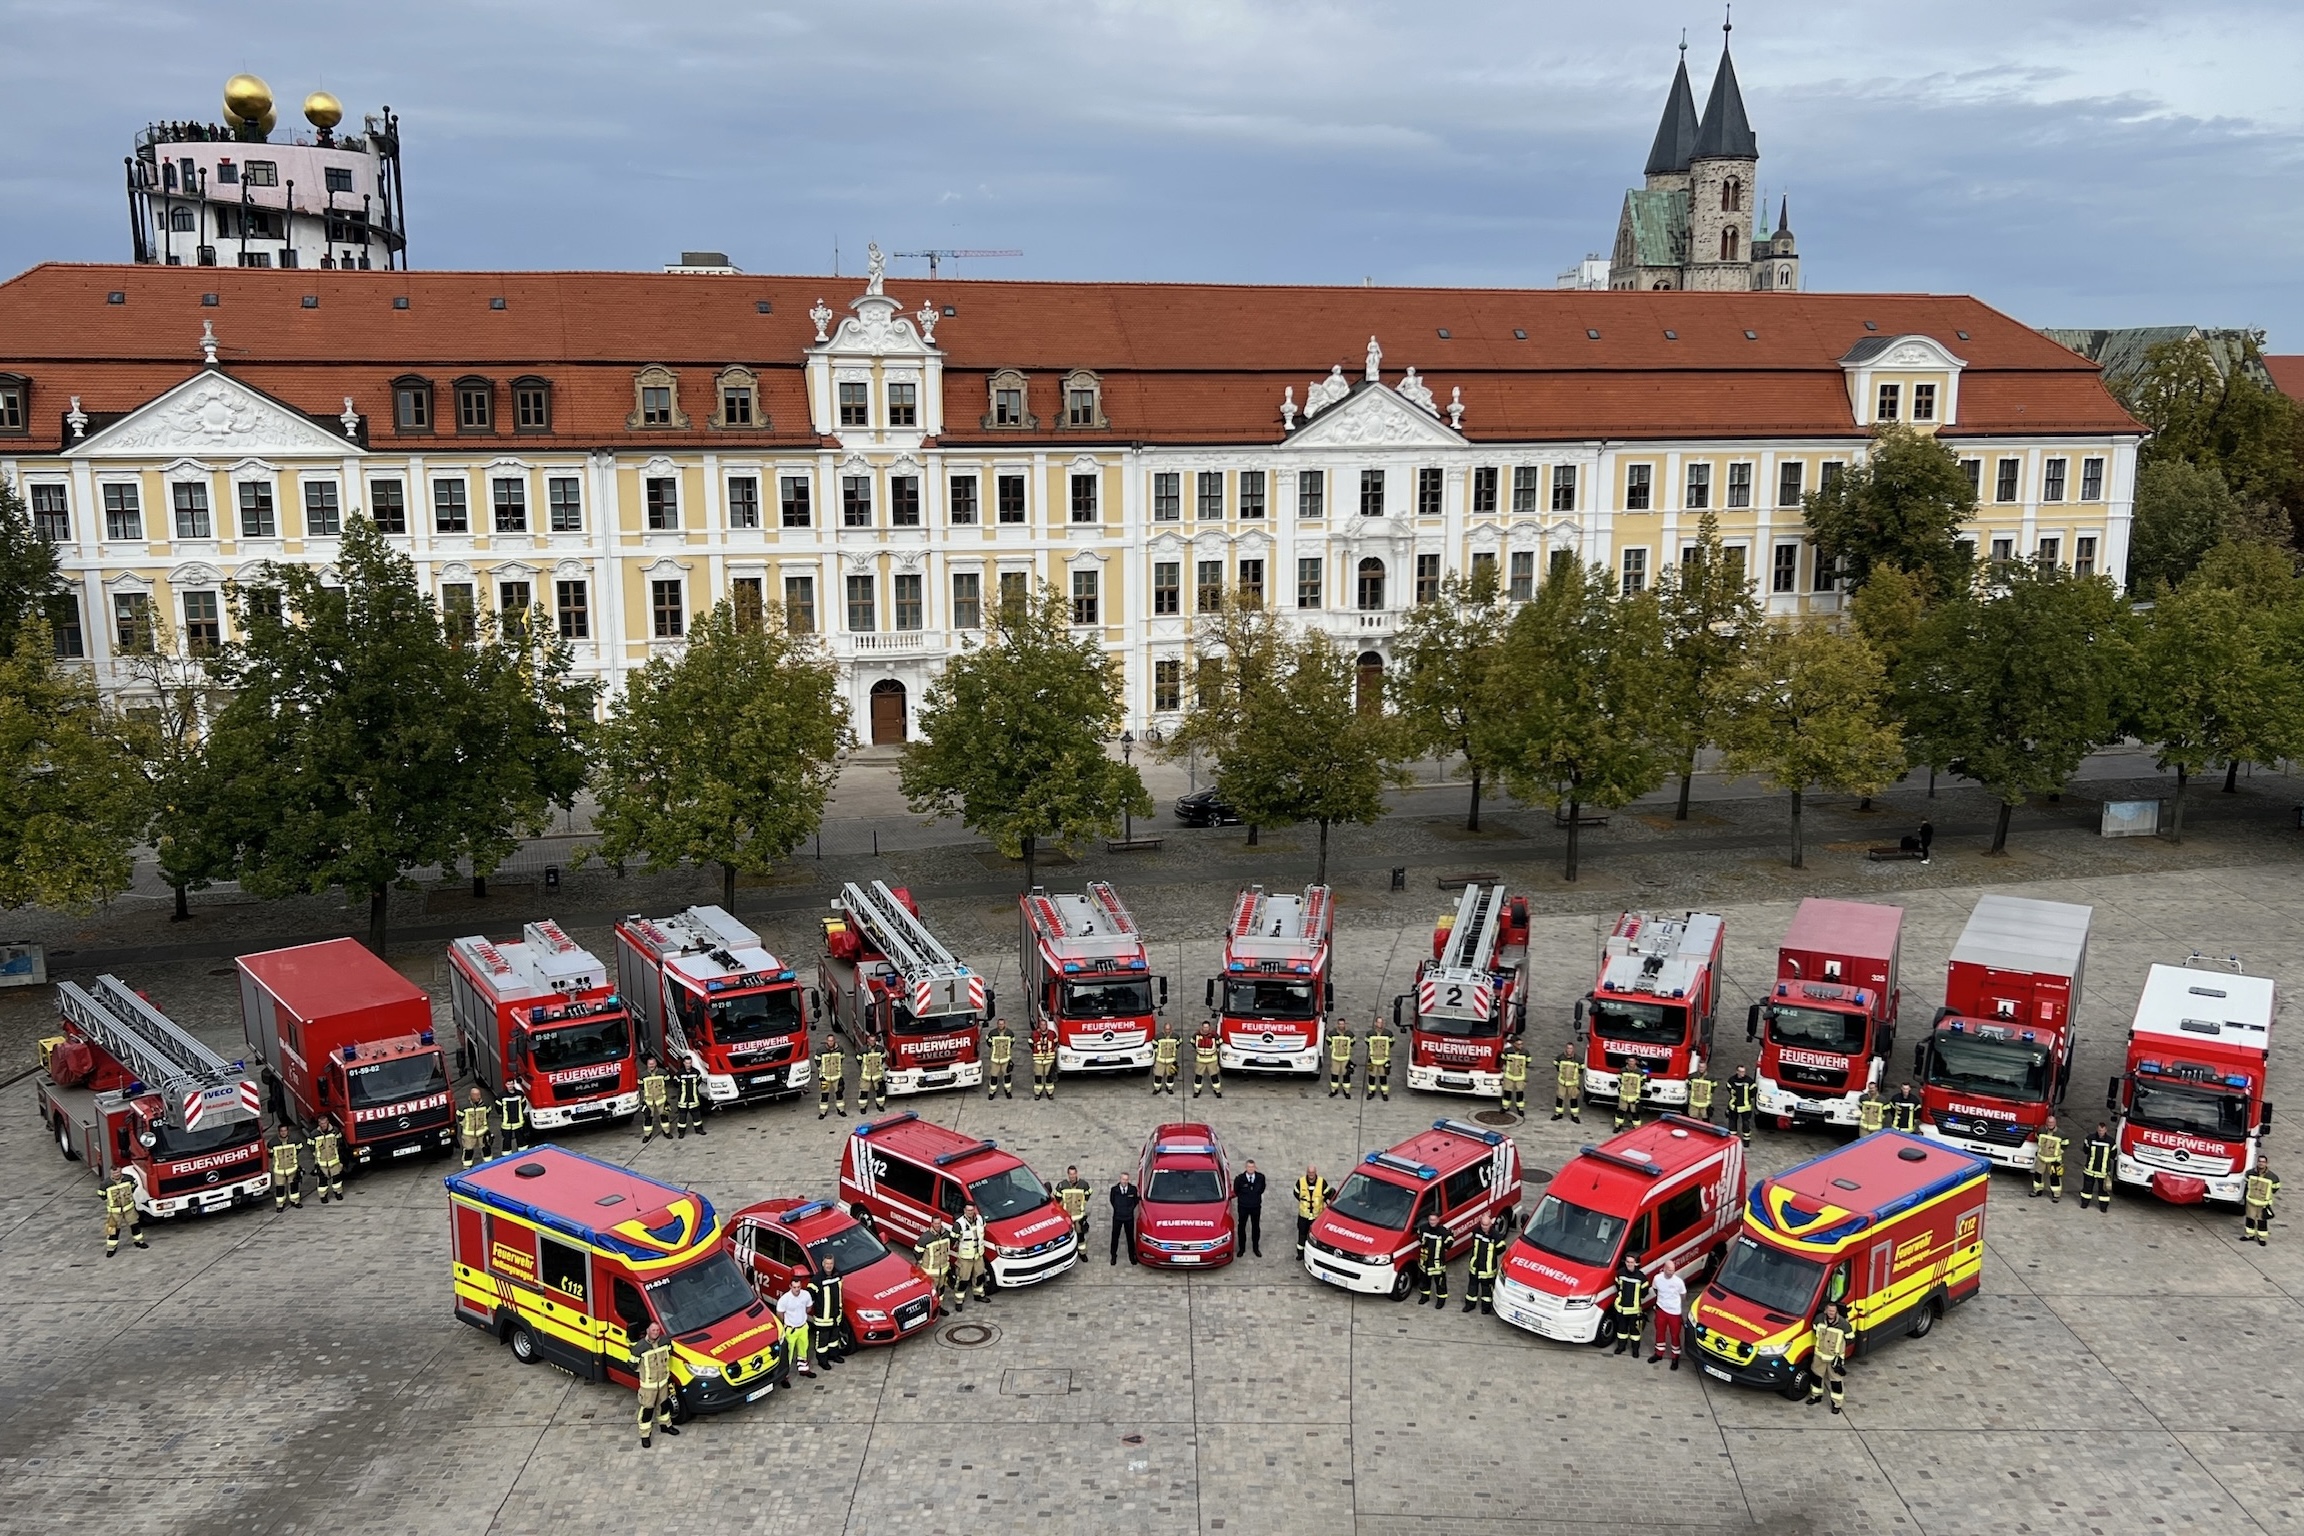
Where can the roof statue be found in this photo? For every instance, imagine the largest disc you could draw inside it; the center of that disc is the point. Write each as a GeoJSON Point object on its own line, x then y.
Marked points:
{"type": "Point", "coordinates": [875, 269]}
{"type": "Point", "coordinates": [1375, 361]}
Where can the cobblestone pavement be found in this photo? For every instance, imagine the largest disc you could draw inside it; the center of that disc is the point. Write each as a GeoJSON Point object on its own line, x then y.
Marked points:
{"type": "Point", "coordinates": [277, 1373]}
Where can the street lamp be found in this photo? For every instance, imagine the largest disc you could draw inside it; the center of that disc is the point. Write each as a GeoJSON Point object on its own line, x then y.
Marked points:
{"type": "Point", "coordinates": [1127, 816]}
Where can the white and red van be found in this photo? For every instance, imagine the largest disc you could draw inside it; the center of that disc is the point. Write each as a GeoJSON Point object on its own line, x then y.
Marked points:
{"type": "Point", "coordinates": [1365, 1240]}
{"type": "Point", "coordinates": [911, 1174]}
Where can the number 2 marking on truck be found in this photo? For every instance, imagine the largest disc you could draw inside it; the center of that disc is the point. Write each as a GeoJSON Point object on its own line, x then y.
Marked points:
{"type": "Point", "coordinates": [1456, 995]}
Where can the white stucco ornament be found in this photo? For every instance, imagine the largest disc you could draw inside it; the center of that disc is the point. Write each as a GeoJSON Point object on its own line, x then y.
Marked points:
{"type": "Point", "coordinates": [1288, 409]}
{"type": "Point", "coordinates": [77, 419]}
{"type": "Point", "coordinates": [351, 421]}
{"type": "Point", "coordinates": [1456, 407]}
{"type": "Point", "coordinates": [208, 342]}
{"type": "Point", "coordinates": [822, 315]}
{"type": "Point", "coordinates": [1375, 361]}
{"type": "Point", "coordinates": [875, 268]}
{"type": "Point", "coordinates": [1323, 393]}
{"type": "Point", "coordinates": [1416, 392]}
{"type": "Point", "coordinates": [927, 316]}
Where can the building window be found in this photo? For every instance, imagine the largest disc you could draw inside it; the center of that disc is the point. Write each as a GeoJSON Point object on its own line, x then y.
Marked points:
{"type": "Point", "coordinates": [967, 600]}
{"type": "Point", "coordinates": [1525, 479]}
{"type": "Point", "coordinates": [655, 405]}
{"type": "Point", "coordinates": [2084, 555]}
{"type": "Point", "coordinates": [513, 599]}
{"type": "Point", "coordinates": [2003, 551]}
{"type": "Point", "coordinates": [191, 502]}
{"type": "Point", "coordinates": [2051, 552]}
{"type": "Point", "coordinates": [667, 618]}
{"type": "Point", "coordinates": [862, 611]}
{"type": "Point", "coordinates": [1974, 470]}
{"type": "Point", "coordinates": [748, 604]}
{"type": "Point", "coordinates": [1484, 490]}
{"type": "Point", "coordinates": [1252, 493]}
{"type": "Point", "coordinates": [51, 523]}
{"type": "Point", "coordinates": [387, 499]}
{"type": "Point", "coordinates": [475, 402]}
{"type": "Point", "coordinates": [262, 173]}
{"type": "Point", "coordinates": [1308, 593]}
{"type": "Point", "coordinates": [903, 501]}
{"type": "Point", "coordinates": [1167, 498]}
{"type": "Point", "coordinates": [1427, 493]}
{"type": "Point", "coordinates": [1699, 487]}
{"type": "Point", "coordinates": [457, 612]}
{"type": "Point", "coordinates": [904, 602]}
{"type": "Point", "coordinates": [662, 495]}
{"type": "Point", "coordinates": [510, 499]}
{"type": "Point", "coordinates": [532, 407]}
{"type": "Point", "coordinates": [1008, 407]}
{"type": "Point", "coordinates": [736, 405]}
{"type": "Point", "coordinates": [1167, 596]}
{"type": "Point", "coordinates": [1563, 487]}
{"type": "Point", "coordinates": [1167, 687]}
{"type": "Point", "coordinates": [1015, 595]}
{"type": "Point", "coordinates": [203, 624]}
{"type": "Point", "coordinates": [1828, 475]}
{"type": "Point", "coordinates": [1522, 571]}
{"type": "Point", "coordinates": [339, 178]}
{"type": "Point", "coordinates": [132, 622]}
{"type": "Point", "coordinates": [1084, 498]}
{"type": "Point", "coordinates": [412, 407]}
{"type": "Point", "coordinates": [2004, 480]}
{"type": "Point", "coordinates": [571, 604]}
{"type": "Point", "coordinates": [1891, 402]}
{"type": "Point", "coordinates": [64, 636]}
{"type": "Point", "coordinates": [11, 406]}
{"type": "Point", "coordinates": [800, 604]}
{"type": "Point", "coordinates": [796, 512]}
{"type": "Point", "coordinates": [1788, 478]}
{"type": "Point", "coordinates": [564, 504]}
{"type": "Point", "coordinates": [2091, 479]}
{"type": "Point", "coordinates": [1739, 485]}
{"type": "Point", "coordinates": [1371, 493]}
{"type": "Point", "coordinates": [256, 519]}
{"type": "Point", "coordinates": [123, 513]}
{"type": "Point", "coordinates": [903, 405]}
{"type": "Point", "coordinates": [964, 509]}
{"type": "Point", "coordinates": [2052, 480]}
{"type": "Point", "coordinates": [449, 513]}
{"type": "Point", "coordinates": [1082, 407]}
{"type": "Point", "coordinates": [1210, 499]}
{"type": "Point", "coordinates": [323, 516]}
{"type": "Point", "coordinates": [855, 501]}
{"type": "Point", "coordinates": [1371, 586]}
{"type": "Point", "coordinates": [1083, 597]}
{"type": "Point", "coordinates": [1312, 493]}
{"type": "Point", "coordinates": [1923, 402]}
{"type": "Point", "coordinates": [1208, 586]}
{"type": "Point", "coordinates": [1824, 575]}
{"type": "Point", "coordinates": [1637, 481]}
{"type": "Point", "coordinates": [1427, 579]}
{"type": "Point", "coordinates": [1635, 577]}
{"type": "Point", "coordinates": [1484, 570]}
{"type": "Point", "coordinates": [1252, 583]}
{"type": "Point", "coordinates": [1010, 490]}
{"type": "Point", "coordinates": [743, 501]}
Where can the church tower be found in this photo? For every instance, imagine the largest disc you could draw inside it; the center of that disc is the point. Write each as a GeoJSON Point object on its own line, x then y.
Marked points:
{"type": "Point", "coordinates": [1721, 167]}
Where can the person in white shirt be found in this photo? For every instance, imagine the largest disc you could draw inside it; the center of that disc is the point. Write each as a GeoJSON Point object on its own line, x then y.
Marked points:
{"type": "Point", "coordinates": [792, 1310]}
{"type": "Point", "coordinates": [1671, 1312]}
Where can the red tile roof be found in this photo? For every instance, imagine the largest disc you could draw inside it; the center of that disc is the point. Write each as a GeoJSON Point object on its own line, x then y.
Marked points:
{"type": "Point", "coordinates": [2287, 374]}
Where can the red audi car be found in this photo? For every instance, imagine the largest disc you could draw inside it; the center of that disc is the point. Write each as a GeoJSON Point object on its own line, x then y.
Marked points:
{"type": "Point", "coordinates": [1186, 1219]}
{"type": "Point", "coordinates": [886, 1297]}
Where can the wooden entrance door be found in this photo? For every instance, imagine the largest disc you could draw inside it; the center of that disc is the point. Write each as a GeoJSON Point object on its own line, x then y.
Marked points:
{"type": "Point", "coordinates": [887, 713]}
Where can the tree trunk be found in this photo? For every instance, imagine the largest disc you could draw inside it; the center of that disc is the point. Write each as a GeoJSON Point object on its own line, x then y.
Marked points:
{"type": "Point", "coordinates": [1687, 777]}
{"type": "Point", "coordinates": [479, 886]}
{"type": "Point", "coordinates": [1797, 850]}
{"type": "Point", "coordinates": [1575, 816]}
{"type": "Point", "coordinates": [183, 912]}
{"type": "Point", "coordinates": [2000, 828]}
{"type": "Point", "coordinates": [1931, 781]}
{"type": "Point", "coordinates": [2176, 822]}
{"type": "Point", "coordinates": [727, 887]}
{"type": "Point", "coordinates": [2232, 776]}
{"type": "Point", "coordinates": [1322, 878]}
{"type": "Point", "coordinates": [1864, 804]}
{"type": "Point", "coordinates": [1472, 823]}
{"type": "Point", "coordinates": [1251, 834]}
{"type": "Point", "coordinates": [1030, 849]}
{"type": "Point", "coordinates": [379, 909]}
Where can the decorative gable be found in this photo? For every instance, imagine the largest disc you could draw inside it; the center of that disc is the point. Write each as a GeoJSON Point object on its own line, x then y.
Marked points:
{"type": "Point", "coordinates": [214, 416]}
{"type": "Point", "coordinates": [1374, 416]}
{"type": "Point", "coordinates": [1905, 361]}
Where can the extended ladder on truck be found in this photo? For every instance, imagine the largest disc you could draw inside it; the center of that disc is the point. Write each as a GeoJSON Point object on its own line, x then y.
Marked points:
{"type": "Point", "coordinates": [937, 982]}
{"type": "Point", "coordinates": [193, 1081]}
{"type": "Point", "coordinates": [1472, 939]}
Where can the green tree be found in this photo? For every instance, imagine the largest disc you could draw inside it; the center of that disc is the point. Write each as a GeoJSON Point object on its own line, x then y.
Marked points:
{"type": "Point", "coordinates": [71, 779]}
{"type": "Point", "coordinates": [1579, 707]}
{"type": "Point", "coordinates": [2209, 686]}
{"type": "Point", "coordinates": [1887, 611]}
{"type": "Point", "coordinates": [1805, 707]}
{"type": "Point", "coordinates": [1014, 737]}
{"type": "Point", "coordinates": [1235, 651]}
{"type": "Point", "coordinates": [2182, 511]}
{"type": "Point", "coordinates": [1710, 615]}
{"type": "Point", "coordinates": [30, 580]}
{"type": "Point", "coordinates": [1903, 505]}
{"type": "Point", "coordinates": [1304, 751]}
{"type": "Point", "coordinates": [169, 689]}
{"type": "Point", "coordinates": [724, 754]}
{"type": "Point", "coordinates": [1442, 657]}
{"type": "Point", "coordinates": [361, 741]}
{"type": "Point", "coordinates": [2216, 417]}
{"type": "Point", "coordinates": [2015, 685]}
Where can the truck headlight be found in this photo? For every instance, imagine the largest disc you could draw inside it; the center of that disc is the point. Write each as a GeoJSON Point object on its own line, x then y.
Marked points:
{"type": "Point", "coordinates": [1770, 1351]}
{"type": "Point", "coordinates": [704, 1370]}
{"type": "Point", "coordinates": [870, 1315]}
{"type": "Point", "coordinates": [1574, 1302]}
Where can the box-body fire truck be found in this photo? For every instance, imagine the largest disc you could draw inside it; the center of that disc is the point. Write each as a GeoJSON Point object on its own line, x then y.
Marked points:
{"type": "Point", "coordinates": [2191, 1105]}
{"type": "Point", "coordinates": [1468, 996]}
{"type": "Point", "coordinates": [709, 998]}
{"type": "Point", "coordinates": [1272, 999]}
{"type": "Point", "coordinates": [1830, 1019]}
{"type": "Point", "coordinates": [350, 1042]}
{"type": "Point", "coordinates": [1088, 978]}
{"type": "Point", "coordinates": [539, 1018]}
{"type": "Point", "coordinates": [1653, 1003]}
{"type": "Point", "coordinates": [1994, 1065]}
{"type": "Point", "coordinates": [888, 981]}
{"type": "Point", "coordinates": [125, 1087]}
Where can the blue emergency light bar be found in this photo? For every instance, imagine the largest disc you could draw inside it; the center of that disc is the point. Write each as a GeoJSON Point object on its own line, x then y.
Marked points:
{"type": "Point", "coordinates": [1193, 1148]}
{"type": "Point", "coordinates": [1476, 1132]}
{"type": "Point", "coordinates": [946, 1159]}
{"type": "Point", "coordinates": [1419, 1171]}
{"type": "Point", "coordinates": [803, 1212]}
{"type": "Point", "coordinates": [867, 1127]}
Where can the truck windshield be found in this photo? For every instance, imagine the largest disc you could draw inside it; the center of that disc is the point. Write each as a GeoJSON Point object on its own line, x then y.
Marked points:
{"type": "Point", "coordinates": [1011, 1193]}
{"type": "Point", "coordinates": [850, 1249]}
{"type": "Point", "coordinates": [1814, 1029]}
{"type": "Point", "coordinates": [1475, 1029]}
{"type": "Point", "coordinates": [902, 1021]}
{"type": "Point", "coordinates": [1269, 997]}
{"type": "Point", "coordinates": [2189, 1111]}
{"type": "Point", "coordinates": [2016, 1070]}
{"type": "Point", "coordinates": [585, 1044]}
{"type": "Point", "coordinates": [1573, 1233]}
{"type": "Point", "coordinates": [1184, 1186]}
{"type": "Point", "coordinates": [700, 1295]}
{"type": "Point", "coordinates": [1614, 1018]}
{"type": "Point", "coordinates": [1108, 999]}
{"type": "Point", "coordinates": [216, 1136]}
{"type": "Point", "coordinates": [1375, 1202]}
{"type": "Point", "coordinates": [389, 1082]}
{"type": "Point", "coordinates": [1769, 1277]}
{"type": "Point", "coordinates": [756, 1016]}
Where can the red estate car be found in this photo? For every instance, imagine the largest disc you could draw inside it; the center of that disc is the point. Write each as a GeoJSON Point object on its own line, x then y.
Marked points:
{"type": "Point", "coordinates": [885, 1297]}
{"type": "Point", "coordinates": [1186, 1219]}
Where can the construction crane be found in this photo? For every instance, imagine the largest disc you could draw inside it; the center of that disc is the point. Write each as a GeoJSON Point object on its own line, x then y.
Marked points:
{"type": "Point", "coordinates": [939, 255]}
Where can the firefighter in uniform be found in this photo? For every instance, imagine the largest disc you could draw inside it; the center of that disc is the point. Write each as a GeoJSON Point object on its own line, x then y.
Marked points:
{"type": "Point", "coordinates": [1828, 1363]}
{"type": "Point", "coordinates": [1700, 1091]}
{"type": "Point", "coordinates": [1871, 1112]}
{"type": "Point", "coordinates": [968, 1272]}
{"type": "Point", "coordinates": [328, 1164]}
{"type": "Point", "coordinates": [120, 1212]}
{"type": "Point", "coordinates": [511, 1122]}
{"type": "Point", "coordinates": [1568, 1085]}
{"type": "Point", "coordinates": [936, 1262]}
{"type": "Point", "coordinates": [1002, 1046]}
{"type": "Point", "coordinates": [2048, 1163]}
{"type": "Point", "coordinates": [655, 1101]}
{"type": "Point", "coordinates": [2096, 1169]}
{"type": "Point", "coordinates": [1432, 1258]}
{"type": "Point", "coordinates": [688, 1102]}
{"type": "Point", "coordinates": [831, 1078]}
{"type": "Point", "coordinates": [472, 1126]}
{"type": "Point", "coordinates": [1207, 1061]}
{"type": "Point", "coordinates": [1379, 1078]}
{"type": "Point", "coordinates": [1904, 1110]}
{"type": "Point", "coordinates": [1312, 1196]}
{"type": "Point", "coordinates": [1164, 1062]}
{"type": "Point", "coordinates": [2257, 1192]}
{"type": "Point", "coordinates": [287, 1171]}
{"type": "Point", "coordinates": [1631, 1086]}
{"type": "Point", "coordinates": [1044, 1063]}
{"type": "Point", "coordinates": [871, 1077]}
{"type": "Point", "coordinates": [827, 1319]}
{"type": "Point", "coordinates": [1743, 1101]}
{"type": "Point", "coordinates": [652, 1364]}
{"type": "Point", "coordinates": [1513, 1077]}
{"type": "Point", "coordinates": [1487, 1260]}
{"type": "Point", "coordinates": [1339, 1062]}
{"type": "Point", "coordinates": [1629, 1310]}
{"type": "Point", "coordinates": [1072, 1193]}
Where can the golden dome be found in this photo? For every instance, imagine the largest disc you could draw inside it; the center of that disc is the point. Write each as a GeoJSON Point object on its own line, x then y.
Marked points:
{"type": "Point", "coordinates": [246, 98]}
{"type": "Point", "coordinates": [264, 123]}
{"type": "Point", "coordinates": [322, 110]}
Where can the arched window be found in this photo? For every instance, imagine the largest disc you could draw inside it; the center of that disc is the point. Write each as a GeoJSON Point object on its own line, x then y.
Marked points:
{"type": "Point", "coordinates": [1727, 245]}
{"type": "Point", "coordinates": [1731, 195]}
{"type": "Point", "coordinates": [1371, 586]}
{"type": "Point", "coordinates": [1661, 283]}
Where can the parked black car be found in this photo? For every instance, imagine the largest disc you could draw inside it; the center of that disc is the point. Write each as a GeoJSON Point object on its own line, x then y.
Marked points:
{"type": "Point", "coordinates": [1203, 809]}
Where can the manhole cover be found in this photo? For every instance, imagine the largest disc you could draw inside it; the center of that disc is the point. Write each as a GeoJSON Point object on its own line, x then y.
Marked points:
{"type": "Point", "coordinates": [1039, 1383]}
{"type": "Point", "coordinates": [968, 1335]}
{"type": "Point", "coordinates": [1536, 1175]}
{"type": "Point", "coordinates": [1497, 1117]}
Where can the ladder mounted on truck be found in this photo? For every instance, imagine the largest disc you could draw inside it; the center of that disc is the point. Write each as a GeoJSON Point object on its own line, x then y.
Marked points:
{"type": "Point", "coordinates": [936, 981]}
{"type": "Point", "coordinates": [196, 1085]}
{"type": "Point", "coordinates": [1472, 939]}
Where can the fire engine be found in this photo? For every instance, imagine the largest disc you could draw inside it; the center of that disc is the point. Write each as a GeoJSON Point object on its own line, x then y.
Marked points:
{"type": "Point", "coordinates": [709, 998]}
{"type": "Point", "coordinates": [538, 1018]}
{"type": "Point", "coordinates": [1995, 1062]}
{"type": "Point", "coordinates": [125, 1087]}
{"type": "Point", "coordinates": [1653, 1004]}
{"type": "Point", "coordinates": [888, 980]}
{"type": "Point", "coordinates": [1270, 1003]}
{"type": "Point", "coordinates": [1468, 995]}
{"type": "Point", "coordinates": [1085, 970]}
{"type": "Point", "coordinates": [1831, 1016]}
{"type": "Point", "coordinates": [2191, 1111]}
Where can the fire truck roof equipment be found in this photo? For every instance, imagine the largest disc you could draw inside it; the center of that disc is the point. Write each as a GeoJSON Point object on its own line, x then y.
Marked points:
{"type": "Point", "coordinates": [194, 1083]}
{"type": "Point", "coordinates": [1658, 956]}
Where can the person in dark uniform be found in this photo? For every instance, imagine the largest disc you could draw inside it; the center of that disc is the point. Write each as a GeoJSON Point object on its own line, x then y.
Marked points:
{"type": "Point", "coordinates": [1432, 1237]}
{"type": "Point", "coordinates": [1927, 838]}
{"type": "Point", "coordinates": [1629, 1310]}
{"type": "Point", "coordinates": [1488, 1244]}
{"type": "Point", "coordinates": [1904, 1110]}
{"type": "Point", "coordinates": [2096, 1169]}
{"type": "Point", "coordinates": [1248, 1193]}
{"type": "Point", "coordinates": [1743, 1100]}
{"type": "Point", "coordinates": [1124, 1202]}
{"type": "Point", "coordinates": [827, 1316]}
{"type": "Point", "coordinates": [511, 1122]}
{"type": "Point", "coordinates": [688, 1102]}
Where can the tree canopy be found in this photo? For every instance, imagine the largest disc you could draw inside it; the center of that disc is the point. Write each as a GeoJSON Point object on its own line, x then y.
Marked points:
{"type": "Point", "coordinates": [30, 579]}
{"type": "Point", "coordinates": [71, 779]}
{"type": "Point", "coordinates": [1304, 751]}
{"type": "Point", "coordinates": [2214, 683]}
{"type": "Point", "coordinates": [1902, 504]}
{"type": "Point", "coordinates": [2183, 510]}
{"type": "Point", "coordinates": [1711, 615]}
{"type": "Point", "coordinates": [1440, 667]}
{"type": "Point", "coordinates": [2220, 415]}
{"type": "Point", "coordinates": [1805, 705]}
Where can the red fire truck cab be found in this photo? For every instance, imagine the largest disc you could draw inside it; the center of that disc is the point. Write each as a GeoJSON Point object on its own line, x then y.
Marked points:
{"type": "Point", "coordinates": [2191, 1107]}
{"type": "Point", "coordinates": [710, 999]}
{"type": "Point", "coordinates": [1830, 1019]}
{"type": "Point", "coordinates": [1468, 996]}
{"type": "Point", "coordinates": [888, 981]}
{"type": "Point", "coordinates": [1652, 1004]}
{"type": "Point", "coordinates": [539, 1018]}
{"type": "Point", "coordinates": [1995, 1063]}
{"type": "Point", "coordinates": [1365, 1240]}
{"type": "Point", "coordinates": [911, 1174]}
{"type": "Point", "coordinates": [1088, 977]}
{"type": "Point", "coordinates": [1272, 999]}
{"type": "Point", "coordinates": [885, 1297]}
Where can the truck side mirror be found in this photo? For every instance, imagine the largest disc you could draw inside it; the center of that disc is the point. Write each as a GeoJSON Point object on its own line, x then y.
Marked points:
{"type": "Point", "coordinates": [1163, 991]}
{"type": "Point", "coordinates": [2264, 1122]}
{"type": "Point", "coordinates": [815, 1000]}
{"type": "Point", "coordinates": [991, 1003]}
{"type": "Point", "coordinates": [1920, 1059]}
{"type": "Point", "coordinates": [1752, 1023]}
{"type": "Point", "coordinates": [2112, 1095]}
{"type": "Point", "coordinates": [1211, 991]}
{"type": "Point", "coordinates": [1583, 1013]}
{"type": "Point", "coordinates": [1397, 999]}
{"type": "Point", "coordinates": [1331, 996]}
{"type": "Point", "coordinates": [125, 1154]}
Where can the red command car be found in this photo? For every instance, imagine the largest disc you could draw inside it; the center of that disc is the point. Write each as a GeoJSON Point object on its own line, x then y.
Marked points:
{"type": "Point", "coordinates": [885, 1297]}
{"type": "Point", "coordinates": [1186, 1218]}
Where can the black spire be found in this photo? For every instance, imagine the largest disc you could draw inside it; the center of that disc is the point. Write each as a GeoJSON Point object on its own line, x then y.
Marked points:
{"type": "Point", "coordinates": [1784, 218]}
{"type": "Point", "coordinates": [1725, 133]}
{"type": "Point", "coordinates": [1676, 135]}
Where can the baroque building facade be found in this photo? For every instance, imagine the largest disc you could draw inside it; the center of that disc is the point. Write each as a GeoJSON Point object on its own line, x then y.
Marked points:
{"type": "Point", "coordinates": [616, 452]}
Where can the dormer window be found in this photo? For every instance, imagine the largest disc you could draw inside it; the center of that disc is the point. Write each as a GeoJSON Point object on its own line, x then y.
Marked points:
{"type": "Point", "coordinates": [736, 401]}
{"type": "Point", "coordinates": [1010, 405]}
{"type": "Point", "coordinates": [412, 404]}
{"type": "Point", "coordinates": [1083, 400]}
{"type": "Point", "coordinates": [14, 390]}
{"type": "Point", "coordinates": [855, 405]}
{"type": "Point", "coordinates": [475, 406]}
{"type": "Point", "coordinates": [1007, 407]}
{"type": "Point", "coordinates": [655, 400]}
{"type": "Point", "coordinates": [903, 405]}
{"type": "Point", "coordinates": [532, 405]}
{"type": "Point", "coordinates": [1923, 402]}
{"type": "Point", "coordinates": [1891, 402]}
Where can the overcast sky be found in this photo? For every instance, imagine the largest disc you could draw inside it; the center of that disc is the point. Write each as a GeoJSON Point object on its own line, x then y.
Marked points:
{"type": "Point", "coordinates": [2100, 163]}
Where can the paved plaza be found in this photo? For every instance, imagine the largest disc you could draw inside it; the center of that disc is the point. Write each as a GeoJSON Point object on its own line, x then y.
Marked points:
{"type": "Point", "coordinates": [301, 1372]}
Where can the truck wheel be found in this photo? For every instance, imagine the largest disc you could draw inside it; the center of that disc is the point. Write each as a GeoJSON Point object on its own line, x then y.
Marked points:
{"type": "Point", "coordinates": [64, 1140]}
{"type": "Point", "coordinates": [1793, 1390]}
{"type": "Point", "coordinates": [1402, 1284]}
{"type": "Point", "coordinates": [523, 1345]}
{"type": "Point", "coordinates": [1925, 1323]}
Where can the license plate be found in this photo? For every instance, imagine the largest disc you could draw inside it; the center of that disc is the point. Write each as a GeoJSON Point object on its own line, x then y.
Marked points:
{"type": "Point", "coordinates": [935, 1079]}
{"type": "Point", "coordinates": [758, 1393]}
{"type": "Point", "coordinates": [409, 1150]}
{"type": "Point", "coordinates": [1713, 1370]}
{"type": "Point", "coordinates": [1185, 1258]}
